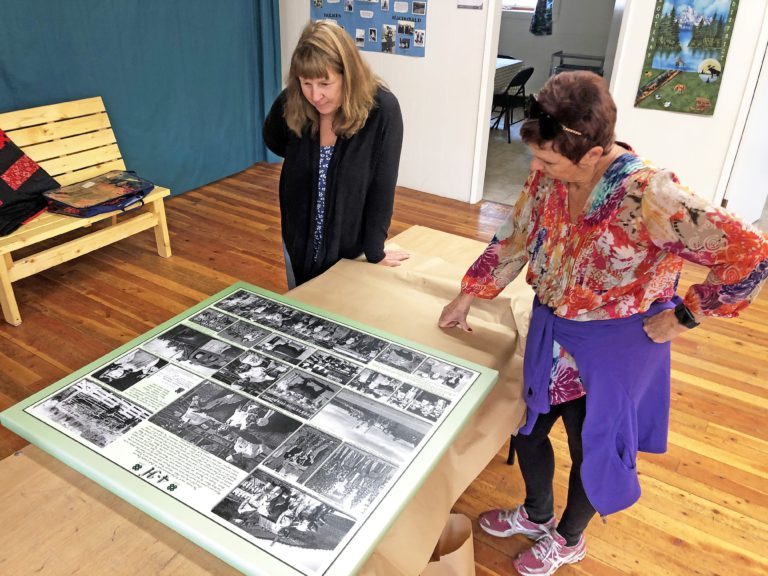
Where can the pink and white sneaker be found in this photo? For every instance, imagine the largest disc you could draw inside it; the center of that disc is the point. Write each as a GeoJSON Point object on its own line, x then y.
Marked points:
{"type": "Point", "coordinates": [504, 523]}
{"type": "Point", "coordinates": [549, 554]}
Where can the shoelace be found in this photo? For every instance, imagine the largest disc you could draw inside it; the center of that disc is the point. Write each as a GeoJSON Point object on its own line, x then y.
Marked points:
{"type": "Point", "coordinates": [509, 516]}
{"type": "Point", "coordinates": [546, 548]}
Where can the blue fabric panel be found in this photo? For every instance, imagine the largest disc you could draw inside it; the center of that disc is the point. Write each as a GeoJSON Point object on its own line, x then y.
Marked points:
{"type": "Point", "coordinates": [187, 83]}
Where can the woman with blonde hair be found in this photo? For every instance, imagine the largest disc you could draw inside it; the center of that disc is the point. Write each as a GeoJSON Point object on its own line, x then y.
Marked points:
{"type": "Point", "coordinates": [340, 132]}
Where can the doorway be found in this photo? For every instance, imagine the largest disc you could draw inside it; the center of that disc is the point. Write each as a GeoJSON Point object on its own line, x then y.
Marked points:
{"type": "Point", "coordinates": [593, 32]}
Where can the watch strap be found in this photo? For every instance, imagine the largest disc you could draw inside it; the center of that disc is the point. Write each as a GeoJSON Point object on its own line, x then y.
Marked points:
{"type": "Point", "coordinates": [685, 316]}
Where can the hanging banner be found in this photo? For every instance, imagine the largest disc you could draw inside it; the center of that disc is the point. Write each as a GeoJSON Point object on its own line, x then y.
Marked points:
{"type": "Point", "coordinates": [686, 55]}
{"type": "Point", "coordinates": [389, 26]}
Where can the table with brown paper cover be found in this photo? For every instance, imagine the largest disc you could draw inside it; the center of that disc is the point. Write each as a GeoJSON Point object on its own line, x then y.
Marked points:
{"type": "Point", "coordinates": [59, 522]}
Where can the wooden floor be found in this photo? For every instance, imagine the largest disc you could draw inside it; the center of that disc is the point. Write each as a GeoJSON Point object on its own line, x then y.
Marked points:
{"type": "Point", "coordinates": [704, 508]}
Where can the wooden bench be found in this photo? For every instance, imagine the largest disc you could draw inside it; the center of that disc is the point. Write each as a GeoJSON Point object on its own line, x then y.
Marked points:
{"type": "Point", "coordinates": [72, 141]}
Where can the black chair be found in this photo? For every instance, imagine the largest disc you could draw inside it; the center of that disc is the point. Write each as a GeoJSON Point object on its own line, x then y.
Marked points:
{"type": "Point", "coordinates": [513, 97]}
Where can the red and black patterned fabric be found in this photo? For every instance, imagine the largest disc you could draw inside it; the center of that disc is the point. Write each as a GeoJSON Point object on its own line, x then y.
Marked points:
{"type": "Point", "coordinates": [22, 183]}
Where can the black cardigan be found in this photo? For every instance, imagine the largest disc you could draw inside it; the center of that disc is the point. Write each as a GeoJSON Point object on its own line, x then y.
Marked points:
{"type": "Point", "coordinates": [360, 187]}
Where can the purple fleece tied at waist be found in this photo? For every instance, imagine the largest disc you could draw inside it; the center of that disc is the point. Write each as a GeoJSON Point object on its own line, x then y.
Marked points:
{"type": "Point", "coordinates": [626, 376]}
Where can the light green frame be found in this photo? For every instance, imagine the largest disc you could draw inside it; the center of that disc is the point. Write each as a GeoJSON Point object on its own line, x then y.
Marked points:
{"type": "Point", "coordinates": [206, 533]}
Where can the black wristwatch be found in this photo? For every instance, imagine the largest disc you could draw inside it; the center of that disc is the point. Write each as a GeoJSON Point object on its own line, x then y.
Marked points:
{"type": "Point", "coordinates": [684, 316]}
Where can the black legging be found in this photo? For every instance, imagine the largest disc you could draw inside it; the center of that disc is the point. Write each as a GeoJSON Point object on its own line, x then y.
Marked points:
{"type": "Point", "coordinates": [537, 464]}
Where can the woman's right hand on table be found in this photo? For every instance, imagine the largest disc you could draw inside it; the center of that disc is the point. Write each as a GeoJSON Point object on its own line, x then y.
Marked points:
{"type": "Point", "coordinates": [454, 313]}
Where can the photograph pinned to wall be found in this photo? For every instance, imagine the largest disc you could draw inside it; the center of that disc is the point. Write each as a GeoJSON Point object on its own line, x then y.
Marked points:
{"type": "Point", "coordinates": [384, 26]}
{"type": "Point", "coordinates": [685, 59]}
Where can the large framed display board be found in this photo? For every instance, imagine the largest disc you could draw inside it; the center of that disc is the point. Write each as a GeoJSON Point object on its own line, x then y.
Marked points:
{"type": "Point", "coordinates": [279, 437]}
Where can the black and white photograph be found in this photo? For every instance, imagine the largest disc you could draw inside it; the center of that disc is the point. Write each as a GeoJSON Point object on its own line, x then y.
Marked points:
{"type": "Point", "coordinates": [300, 394]}
{"type": "Point", "coordinates": [439, 372]}
{"type": "Point", "coordinates": [244, 333]}
{"type": "Point", "coordinates": [387, 37]}
{"type": "Point", "coordinates": [298, 457]}
{"type": "Point", "coordinates": [402, 358]}
{"type": "Point", "coordinates": [352, 479]}
{"type": "Point", "coordinates": [294, 525]}
{"type": "Point", "coordinates": [378, 428]}
{"type": "Point", "coordinates": [359, 346]}
{"type": "Point", "coordinates": [403, 396]}
{"type": "Point", "coordinates": [127, 370]}
{"type": "Point", "coordinates": [349, 5]}
{"type": "Point", "coordinates": [286, 349]}
{"type": "Point", "coordinates": [405, 27]}
{"type": "Point", "coordinates": [194, 350]}
{"type": "Point", "coordinates": [242, 303]}
{"type": "Point", "coordinates": [316, 330]}
{"type": "Point", "coordinates": [427, 405]}
{"type": "Point", "coordinates": [418, 38]}
{"type": "Point", "coordinates": [213, 319]}
{"type": "Point", "coordinates": [385, 5]}
{"type": "Point", "coordinates": [330, 367]}
{"type": "Point", "coordinates": [226, 424]}
{"type": "Point", "coordinates": [275, 315]}
{"type": "Point", "coordinates": [359, 37]}
{"type": "Point", "coordinates": [419, 8]}
{"type": "Point", "coordinates": [404, 43]}
{"type": "Point", "coordinates": [318, 3]}
{"type": "Point", "coordinates": [372, 35]}
{"type": "Point", "coordinates": [88, 411]}
{"type": "Point", "coordinates": [375, 384]}
{"type": "Point", "coordinates": [252, 373]}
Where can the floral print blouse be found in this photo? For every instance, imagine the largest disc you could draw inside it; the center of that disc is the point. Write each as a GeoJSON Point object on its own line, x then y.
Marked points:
{"type": "Point", "coordinates": [624, 252]}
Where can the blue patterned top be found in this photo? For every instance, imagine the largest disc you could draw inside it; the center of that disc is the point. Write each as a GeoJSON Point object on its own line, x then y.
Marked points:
{"type": "Point", "coordinates": [325, 159]}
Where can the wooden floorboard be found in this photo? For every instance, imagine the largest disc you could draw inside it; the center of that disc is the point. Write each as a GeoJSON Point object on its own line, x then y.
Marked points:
{"type": "Point", "coordinates": [704, 508]}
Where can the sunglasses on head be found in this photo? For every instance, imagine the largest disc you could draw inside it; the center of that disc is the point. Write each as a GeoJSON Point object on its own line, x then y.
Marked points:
{"type": "Point", "coordinates": [549, 127]}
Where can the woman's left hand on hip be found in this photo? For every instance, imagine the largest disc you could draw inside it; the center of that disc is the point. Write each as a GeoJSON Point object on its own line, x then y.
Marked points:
{"type": "Point", "coordinates": [663, 327]}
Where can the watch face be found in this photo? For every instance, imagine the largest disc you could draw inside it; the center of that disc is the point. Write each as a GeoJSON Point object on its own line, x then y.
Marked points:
{"type": "Point", "coordinates": [685, 317]}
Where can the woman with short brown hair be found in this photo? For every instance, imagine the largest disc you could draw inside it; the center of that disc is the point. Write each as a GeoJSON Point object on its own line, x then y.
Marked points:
{"type": "Point", "coordinates": [604, 235]}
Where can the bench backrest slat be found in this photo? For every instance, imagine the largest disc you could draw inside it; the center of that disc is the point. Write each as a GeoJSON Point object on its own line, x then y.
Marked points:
{"type": "Point", "coordinates": [72, 141]}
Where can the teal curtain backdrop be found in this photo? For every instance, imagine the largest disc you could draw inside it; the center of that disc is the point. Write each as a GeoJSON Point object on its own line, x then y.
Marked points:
{"type": "Point", "coordinates": [187, 83]}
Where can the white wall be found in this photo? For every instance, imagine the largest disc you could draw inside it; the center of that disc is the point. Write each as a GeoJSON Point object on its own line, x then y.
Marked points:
{"type": "Point", "coordinates": [581, 27]}
{"type": "Point", "coordinates": [445, 101]}
{"type": "Point", "coordinates": [440, 94]}
{"type": "Point", "coordinates": [695, 147]}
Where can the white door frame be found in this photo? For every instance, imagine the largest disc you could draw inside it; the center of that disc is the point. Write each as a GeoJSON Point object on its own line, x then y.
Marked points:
{"type": "Point", "coordinates": [490, 48]}
{"type": "Point", "coordinates": [741, 120]}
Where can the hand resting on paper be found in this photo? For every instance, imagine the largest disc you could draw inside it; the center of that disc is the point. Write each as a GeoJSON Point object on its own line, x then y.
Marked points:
{"type": "Point", "coordinates": [454, 313]}
{"type": "Point", "coordinates": [394, 257]}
